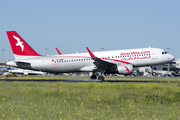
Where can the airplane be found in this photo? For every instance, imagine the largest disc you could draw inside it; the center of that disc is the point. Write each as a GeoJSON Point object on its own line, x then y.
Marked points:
{"type": "Point", "coordinates": [114, 61]}
{"type": "Point", "coordinates": [24, 72]}
{"type": "Point", "coordinates": [159, 73]}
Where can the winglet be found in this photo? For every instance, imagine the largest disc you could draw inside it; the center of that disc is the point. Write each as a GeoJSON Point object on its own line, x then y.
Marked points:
{"type": "Point", "coordinates": [58, 51]}
{"type": "Point", "coordinates": [91, 54]}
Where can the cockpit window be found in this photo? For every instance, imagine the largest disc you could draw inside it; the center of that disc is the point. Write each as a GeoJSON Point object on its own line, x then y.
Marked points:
{"type": "Point", "coordinates": [164, 52]}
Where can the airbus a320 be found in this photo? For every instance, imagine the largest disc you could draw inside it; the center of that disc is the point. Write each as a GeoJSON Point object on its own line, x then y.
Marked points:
{"type": "Point", "coordinates": [116, 61]}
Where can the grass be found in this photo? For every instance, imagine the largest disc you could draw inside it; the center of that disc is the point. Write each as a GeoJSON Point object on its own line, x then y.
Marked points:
{"type": "Point", "coordinates": [89, 101]}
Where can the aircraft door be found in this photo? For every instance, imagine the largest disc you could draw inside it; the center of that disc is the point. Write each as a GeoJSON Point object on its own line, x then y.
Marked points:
{"type": "Point", "coordinates": [43, 64]}
{"type": "Point", "coordinates": [154, 55]}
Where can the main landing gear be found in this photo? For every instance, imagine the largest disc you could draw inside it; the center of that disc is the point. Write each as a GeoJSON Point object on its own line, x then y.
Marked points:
{"type": "Point", "coordinates": [99, 78]}
{"type": "Point", "coordinates": [93, 77]}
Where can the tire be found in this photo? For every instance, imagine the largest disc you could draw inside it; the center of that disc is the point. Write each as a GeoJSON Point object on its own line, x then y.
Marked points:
{"type": "Point", "coordinates": [101, 78]}
{"type": "Point", "coordinates": [93, 77]}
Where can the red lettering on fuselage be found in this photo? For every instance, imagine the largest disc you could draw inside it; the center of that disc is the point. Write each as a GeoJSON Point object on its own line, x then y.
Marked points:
{"type": "Point", "coordinates": [135, 52]}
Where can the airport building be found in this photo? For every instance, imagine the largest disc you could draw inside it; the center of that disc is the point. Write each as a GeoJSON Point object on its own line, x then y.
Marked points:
{"type": "Point", "coordinates": [173, 68]}
{"type": "Point", "coordinates": [2, 64]}
{"type": "Point", "coordinates": [178, 63]}
{"type": "Point", "coordinates": [2, 67]}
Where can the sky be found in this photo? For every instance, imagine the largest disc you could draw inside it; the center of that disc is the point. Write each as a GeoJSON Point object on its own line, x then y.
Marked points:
{"type": "Point", "coordinates": [73, 25]}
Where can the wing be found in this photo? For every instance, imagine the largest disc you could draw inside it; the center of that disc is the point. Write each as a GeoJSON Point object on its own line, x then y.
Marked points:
{"type": "Point", "coordinates": [103, 64]}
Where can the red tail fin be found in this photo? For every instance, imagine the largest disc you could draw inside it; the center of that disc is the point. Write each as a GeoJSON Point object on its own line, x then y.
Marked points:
{"type": "Point", "coordinates": [19, 46]}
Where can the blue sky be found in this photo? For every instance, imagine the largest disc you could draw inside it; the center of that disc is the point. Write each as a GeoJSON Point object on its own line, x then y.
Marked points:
{"type": "Point", "coordinates": [76, 24]}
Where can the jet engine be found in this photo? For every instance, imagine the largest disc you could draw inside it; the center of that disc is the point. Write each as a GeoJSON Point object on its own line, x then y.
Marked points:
{"type": "Point", "coordinates": [124, 69]}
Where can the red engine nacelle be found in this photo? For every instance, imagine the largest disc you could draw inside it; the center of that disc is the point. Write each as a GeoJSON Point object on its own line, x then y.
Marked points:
{"type": "Point", "coordinates": [124, 69]}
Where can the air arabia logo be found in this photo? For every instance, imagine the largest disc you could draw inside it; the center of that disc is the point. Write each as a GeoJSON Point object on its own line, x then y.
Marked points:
{"type": "Point", "coordinates": [19, 43]}
{"type": "Point", "coordinates": [127, 69]}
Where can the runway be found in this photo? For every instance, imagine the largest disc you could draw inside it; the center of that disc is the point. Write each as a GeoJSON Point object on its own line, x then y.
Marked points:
{"type": "Point", "coordinates": [86, 80]}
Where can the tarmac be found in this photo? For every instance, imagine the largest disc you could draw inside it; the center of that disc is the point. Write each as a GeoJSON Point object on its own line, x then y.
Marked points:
{"type": "Point", "coordinates": [85, 80]}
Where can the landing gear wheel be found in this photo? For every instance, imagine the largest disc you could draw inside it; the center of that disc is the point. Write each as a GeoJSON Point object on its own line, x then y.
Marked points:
{"type": "Point", "coordinates": [101, 78]}
{"type": "Point", "coordinates": [93, 77]}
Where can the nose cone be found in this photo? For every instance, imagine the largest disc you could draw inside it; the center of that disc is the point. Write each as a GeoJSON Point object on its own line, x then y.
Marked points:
{"type": "Point", "coordinates": [171, 58]}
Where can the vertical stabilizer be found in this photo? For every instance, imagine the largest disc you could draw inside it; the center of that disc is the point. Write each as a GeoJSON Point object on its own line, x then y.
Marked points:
{"type": "Point", "coordinates": [20, 48]}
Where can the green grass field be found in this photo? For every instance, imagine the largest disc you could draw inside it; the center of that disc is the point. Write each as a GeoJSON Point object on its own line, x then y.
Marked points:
{"type": "Point", "coordinates": [90, 101]}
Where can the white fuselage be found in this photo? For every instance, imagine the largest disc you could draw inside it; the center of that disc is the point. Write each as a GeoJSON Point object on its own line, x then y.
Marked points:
{"type": "Point", "coordinates": [83, 62]}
